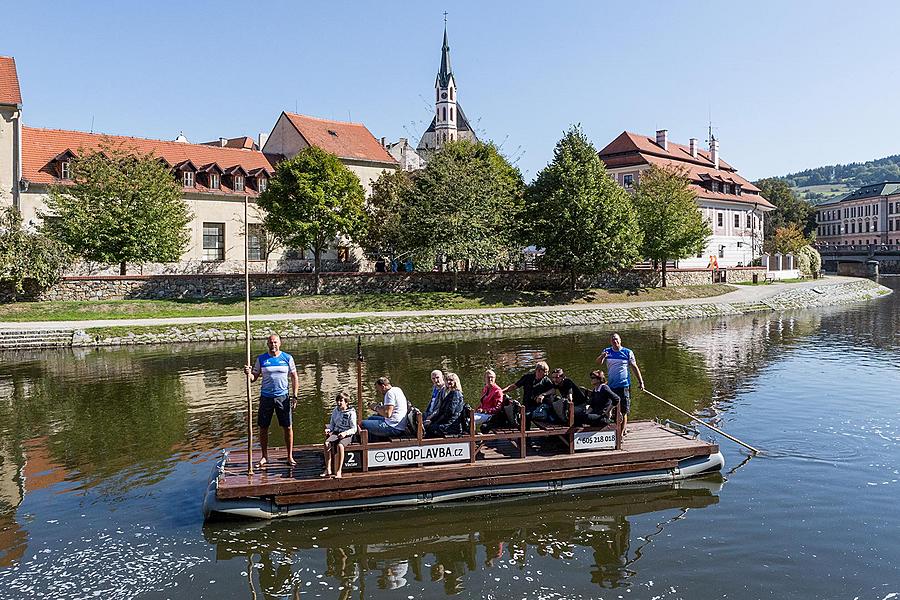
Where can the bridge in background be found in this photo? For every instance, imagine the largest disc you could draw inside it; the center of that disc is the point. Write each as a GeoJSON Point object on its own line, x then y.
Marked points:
{"type": "Point", "coordinates": [862, 260]}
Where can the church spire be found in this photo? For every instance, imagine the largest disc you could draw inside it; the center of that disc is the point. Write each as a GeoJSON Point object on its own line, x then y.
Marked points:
{"type": "Point", "coordinates": [446, 72]}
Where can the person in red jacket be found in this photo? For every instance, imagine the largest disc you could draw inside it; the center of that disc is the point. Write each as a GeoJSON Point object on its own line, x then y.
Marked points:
{"type": "Point", "coordinates": [491, 398]}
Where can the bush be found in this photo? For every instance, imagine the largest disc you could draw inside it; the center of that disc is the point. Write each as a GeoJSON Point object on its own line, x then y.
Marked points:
{"type": "Point", "coordinates": [809, 262]}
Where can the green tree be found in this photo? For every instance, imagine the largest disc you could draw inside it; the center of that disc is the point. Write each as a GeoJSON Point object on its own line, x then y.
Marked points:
{"type": "Point", "coordinates": [466, 205]}
{"type": "Point", "coordinates": [585, 222]}
{"type": "Point", "coordinates": [28, 255]}
{"type": "Point", "coordinates": [121, 207]}
{"type": "Point", "coordinates": [809, 261]}
{"type": "Point", "coordinates": [787, 240]}
{"type": "Point", "coordinates": [311, 200]}
{"type": "Point", "coordinates": [386, 232]}
{"type": "Point", "coordinates": [789, 208]}
{"type": "Point", "coordinates": [667, 212]}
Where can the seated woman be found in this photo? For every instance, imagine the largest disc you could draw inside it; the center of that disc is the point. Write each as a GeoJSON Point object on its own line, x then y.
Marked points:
{"type": "Point", "coordinates": [338, 433]}
{"type": "Point", "coordinates": [491, 398]}
{"type": "Point", "coordinates": [600, 402]}
{"type": "Point", "coordinates": [438, 390]}
{"type": "Point", "coordinates": [448, 416]}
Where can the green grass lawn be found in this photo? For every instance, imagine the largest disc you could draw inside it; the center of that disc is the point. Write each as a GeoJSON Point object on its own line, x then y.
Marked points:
{"type": "Point", "coordinates": [152, 309]}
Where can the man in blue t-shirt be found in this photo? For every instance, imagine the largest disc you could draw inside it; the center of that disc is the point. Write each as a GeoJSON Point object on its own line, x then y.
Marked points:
{"type": "Point", "coordinates": [276, 368]}
{"type": "Point", "coordinates": [619, 361]}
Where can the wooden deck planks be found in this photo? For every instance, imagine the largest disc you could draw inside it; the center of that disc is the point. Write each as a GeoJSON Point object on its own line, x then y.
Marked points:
{"type": "Point", "coordinates": [647, 442]}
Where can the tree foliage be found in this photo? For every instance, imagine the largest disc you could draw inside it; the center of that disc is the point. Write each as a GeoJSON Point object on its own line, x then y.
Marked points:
{"type": "Point", "coordinates": [787, 240]}
{"type": "Point", "coordinates": [28, 255]}
{"type": "Point", "coordinates": [790, 209]}
{"type": "Point", "coordinates": [585, 222]}
{"type": "Point", "coordinates": [853, 174]}
{"type": "Point", "coordinates": [809, 261]}
{"type": "Point", "coordinates": [311, 200]}
{"type": "Point", "coordinates": [121, 207]}
{"type": "Point", "coordinates": [466, 205]}
{"type": "Point", "coordinates": [386, 231]}
{"type": "Point", "coordinates": [669, 219]}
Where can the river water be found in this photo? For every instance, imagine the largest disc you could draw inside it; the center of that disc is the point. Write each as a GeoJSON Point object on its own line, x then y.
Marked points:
{"type": "Point", "coordinates": [104, 455]}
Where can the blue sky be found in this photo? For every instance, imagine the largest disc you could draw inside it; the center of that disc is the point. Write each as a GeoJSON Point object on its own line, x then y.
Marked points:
{"type": "Point", "coordinates": [789, 85]}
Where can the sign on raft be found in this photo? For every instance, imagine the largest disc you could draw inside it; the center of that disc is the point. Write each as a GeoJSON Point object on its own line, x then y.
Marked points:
{"type": "Point", "coordinates": [595, 440]}
{"type": "Point", "coordinates": [411, 455]}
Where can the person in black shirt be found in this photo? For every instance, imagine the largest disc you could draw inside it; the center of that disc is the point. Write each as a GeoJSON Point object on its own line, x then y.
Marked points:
{"type": "Point", "coordinates": [533, 385]}
{"type": "Point", "coordinates": [596, 412]}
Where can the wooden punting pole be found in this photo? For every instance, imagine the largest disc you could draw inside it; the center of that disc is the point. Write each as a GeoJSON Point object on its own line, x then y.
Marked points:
{"type": "Point", "coordinates": [247, 335]}
{"type": "Point", "coordinates": [359, 394]}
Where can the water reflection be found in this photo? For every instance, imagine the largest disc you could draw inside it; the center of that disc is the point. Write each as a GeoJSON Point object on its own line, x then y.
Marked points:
{"type": "Point", "coordinates": [443, 548]}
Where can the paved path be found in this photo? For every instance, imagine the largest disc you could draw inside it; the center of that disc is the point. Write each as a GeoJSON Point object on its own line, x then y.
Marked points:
{"type": "Point", "coordinates": [740, 293]}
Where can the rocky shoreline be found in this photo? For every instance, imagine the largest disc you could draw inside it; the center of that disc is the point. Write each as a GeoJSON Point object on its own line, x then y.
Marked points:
{"type": "Point", "coordinates": [791, 299]}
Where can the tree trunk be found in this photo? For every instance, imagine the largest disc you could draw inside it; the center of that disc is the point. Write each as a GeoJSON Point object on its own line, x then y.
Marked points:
{"type": "Point", "coordinates": [455, 277]}
{"type": "Point", "coordinates": [122, 269]}
{"type": "Point", "coordinates": [664, 273]}
{"type": "Point", "coordinates": [317, 262]}
{"type": "Point", "coordinates": [574, 280]}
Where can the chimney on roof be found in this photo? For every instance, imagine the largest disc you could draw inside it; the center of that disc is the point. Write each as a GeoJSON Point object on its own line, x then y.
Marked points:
{"type": "Point", "coordinates": [694, 147]}
{"type": "Point", "coordinates": [223, 142]}
{"type": "Point", "coordinates": [403, 141]}
{"type": "Point", "coordinates": [262, 139]}
{"type": "Point", "coordinates": [714, 151]}
{"type": "Point", "coordinates": [662, 139]}
{"type": "Point", "coordinates": [384, 142]}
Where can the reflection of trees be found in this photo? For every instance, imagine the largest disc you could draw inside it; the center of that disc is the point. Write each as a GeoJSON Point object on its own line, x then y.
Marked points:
{"type": "Point", "coordinates": [441, 545]}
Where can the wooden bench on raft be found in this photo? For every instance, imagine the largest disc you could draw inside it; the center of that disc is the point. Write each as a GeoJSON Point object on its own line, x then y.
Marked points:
{"type": "Point", "coordinates": [414, 444]}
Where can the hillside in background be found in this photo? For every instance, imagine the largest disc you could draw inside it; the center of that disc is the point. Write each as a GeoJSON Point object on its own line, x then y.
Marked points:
{"type": "Point", "coordinates": [824, 183]}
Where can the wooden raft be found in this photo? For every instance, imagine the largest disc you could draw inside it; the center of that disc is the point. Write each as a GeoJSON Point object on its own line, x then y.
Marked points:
{"type": "Point", "coordinates": [506, 457]}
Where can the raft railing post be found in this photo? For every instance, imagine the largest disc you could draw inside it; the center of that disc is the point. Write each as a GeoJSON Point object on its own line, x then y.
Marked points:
{"type": "Point", "coordinates": [570, 434]}
{"type": "Point", "coordinates": [471, 414]}
{"type": "Point", "coordinates": [364, 444]}
{"type": "Point", "coordinates": [523, 435]}
{"type": "Point", "coordinates": [620, 427]}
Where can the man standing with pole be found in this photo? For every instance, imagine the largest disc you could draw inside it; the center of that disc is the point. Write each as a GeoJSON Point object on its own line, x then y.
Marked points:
{"type": "Point", "coordinates": [619, 361]}
{"type": "Point", "coordinates": [276, 368]}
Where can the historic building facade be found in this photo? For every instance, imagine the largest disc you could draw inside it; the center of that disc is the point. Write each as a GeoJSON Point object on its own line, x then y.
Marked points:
{"type": "Point", "coordinates": [215, 177]}
{"type": "Point", "coordinates": [868, 215]}
{"type": "Point", "coordinates": [731, 205]}
{"type": "Point", "coordinates": [449, 122]}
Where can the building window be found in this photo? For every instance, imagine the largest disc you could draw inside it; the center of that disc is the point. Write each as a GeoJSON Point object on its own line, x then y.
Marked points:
{"type": "Point", "coordinates": [65, 170]}
{"type": "Point", "coordinates": [451, 93]}
{"type": "Point", "coordinates": [749, 222]}
{"type": "Point", "coordinates": [451, 113]}
{"type": "Point", "coordinates": [238, 183]}
{"type": "Point", "coordinates": [214, 181]}
{"type": "Point", "coordinates": [720, 219]}
{"type": "Point", "coordinates": [444, 114]}
{"type": "Point", "coordinates": [343, 254]}
{"type": "Point", "coordinates": [737, 190]}
{"type": "Point", "coordinates": [628, 180]}
{"type": "Point", "coordinates": [213, 241]}
{"type": "Point", "coordinates": [737, 221]}
{"type": "Point", "coordinates": [261, 184]}
{"type": "Point", "coordinates": [874, 225]}
{"type": "Point", "coordinates": [188, 179]}
{"type": "Point", "coordinates": [722, 251]}
{"type": "Point", "coordinates": [256, 242]}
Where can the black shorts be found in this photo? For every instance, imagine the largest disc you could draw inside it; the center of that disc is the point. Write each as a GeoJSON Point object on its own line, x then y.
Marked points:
{"type": "Point", "coordinates": [624, 394]}
{"type": "Point", "coordinates": [280, 405]}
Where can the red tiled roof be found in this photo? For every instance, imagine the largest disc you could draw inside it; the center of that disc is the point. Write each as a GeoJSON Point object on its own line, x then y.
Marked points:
{"type": "Point", "coordinates": [245, 142]}
{"type": "Point", "coordinates": [41, 146]}
{"type": "Point", "coordinates": [341, 138]}
{"type": "Point", "coordinates": [9, 81]}
{"type": "Point", "coordinates": [628, 142]}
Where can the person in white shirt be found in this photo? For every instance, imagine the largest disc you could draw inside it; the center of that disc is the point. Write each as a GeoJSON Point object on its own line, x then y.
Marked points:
{"type": "Point", "coordinates": [389, 419]}
{"type": "Point", "coordinates": [338, 433]}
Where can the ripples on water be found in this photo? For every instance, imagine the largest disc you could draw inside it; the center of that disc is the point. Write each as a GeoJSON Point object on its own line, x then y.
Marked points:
{"type": "Point", "coordinates": [103, 454]}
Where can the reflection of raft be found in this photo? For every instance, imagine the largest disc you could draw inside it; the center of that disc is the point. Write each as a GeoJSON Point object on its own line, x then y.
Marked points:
{"type": "Point", "coordinates": [423, 471]}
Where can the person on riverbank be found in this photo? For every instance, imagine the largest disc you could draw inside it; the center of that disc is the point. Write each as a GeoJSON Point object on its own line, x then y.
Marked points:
{"type": "Point", "coordinates": [438, 390]}
{"type": "Point", "coordinates": [340, 429]}
{"type": "Point", "coordinates": [448, 416]}
{"type": "Point", "coordinates": [276, 368]}
{"type": "Point", "coordinates": [491, 398]}
{"type": "Point", "coordinates": [620, 362]}
{"type": "Point", "coordinates": [596, 412]}
{"type": "Point", "coordinates": [389, 419]}
{"type": "Point", "coordinates": [534, 386]}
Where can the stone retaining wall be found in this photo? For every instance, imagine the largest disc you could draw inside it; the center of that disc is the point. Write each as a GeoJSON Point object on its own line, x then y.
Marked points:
{"type": "Point", "coordinates": [293, 284]}
{"type": "Point", "coordinates": [798, 298]}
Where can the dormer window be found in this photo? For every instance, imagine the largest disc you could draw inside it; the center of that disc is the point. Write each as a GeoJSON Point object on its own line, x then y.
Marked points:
{"type": "Point", "coordinates": [214, 181]}
{"type": "Point", "coordinates": [737, 189]}
{"type": "Point", "coordinates": [261, 184]}
{"type": "Point", "coordinates": [188, 179]}
{"type": "Point", "coordinates": [238, 183]}
{"type": "Point", "coordinates": [65, 169]}
{"type": "Point", "coordinates": [628, 180]}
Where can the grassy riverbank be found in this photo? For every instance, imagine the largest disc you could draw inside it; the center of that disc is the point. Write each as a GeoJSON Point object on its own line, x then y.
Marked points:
{"type": "Point", "coordinates": [155, 309]}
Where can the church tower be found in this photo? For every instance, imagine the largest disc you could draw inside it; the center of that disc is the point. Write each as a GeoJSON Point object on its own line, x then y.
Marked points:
{"type": "Point", "coordinates": [449, 122]}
